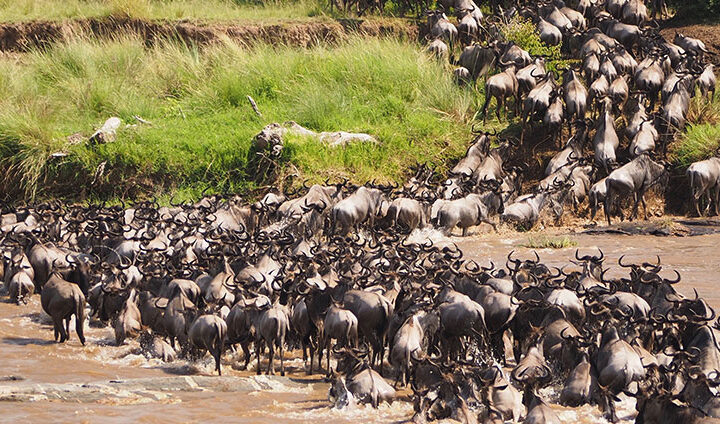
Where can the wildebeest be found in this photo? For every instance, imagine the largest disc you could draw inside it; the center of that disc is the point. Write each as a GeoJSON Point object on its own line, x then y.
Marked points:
{"type": "Point", "coordinates": [441, 27]}
{"type": "Point", "coordinates": [61, 300]}
{"type": "Point", "coordinates": [207, 333]}
{"type": "Point", "coordinates": [407, 213]}
{"type": "Point", "coordinates": [364, 204]}
{"type": "Point", "coordinates": [364, 383]}
{"type": "Point", "coordinates": [633, 178]}
{"type": "Point", "coordinates": [704, 179]}
{"type": "Point", "coordinates": [129, 320]}
{"type": "Point", "coordinates": [472, 209]}
{"type": "Point", "coordinates": [271, 324]}
{"type": "Point", "coordinates": [501, 86]}
{"type": "Point", "coordinates": [477, 59]}
{"type": "Point", "coordinates": [341, 325]}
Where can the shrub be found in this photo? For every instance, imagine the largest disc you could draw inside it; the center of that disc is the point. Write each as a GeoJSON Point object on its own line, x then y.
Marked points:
{"type": "Point", "coordinates": [546, 242]}
{"type": "Point", "coordinates": [524, 33]}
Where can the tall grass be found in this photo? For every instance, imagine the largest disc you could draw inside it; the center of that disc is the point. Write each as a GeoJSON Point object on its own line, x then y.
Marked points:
{"type": "Point", "coordinates": [202, 124]}
{"type": "Point", "coordinates": [701, 138]}
{"type": "Point", "coordinates": [216, 10]}
{"type": "Point", "coordinates": [699, 142]}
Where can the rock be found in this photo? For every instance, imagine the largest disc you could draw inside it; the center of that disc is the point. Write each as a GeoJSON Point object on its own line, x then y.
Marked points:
{"type": "Point", "coordinates": [76, 138]}
{"type": "Point", "coordinates": [162, 384]}
{"type": "Point", "coordinates": [226, 384]}
{"type": "Point", "coordinates": [272, 137]}
{"type": "Point", "coordinates": [106, 133]}
{"type": "Point", "coordinates": [342, 138]}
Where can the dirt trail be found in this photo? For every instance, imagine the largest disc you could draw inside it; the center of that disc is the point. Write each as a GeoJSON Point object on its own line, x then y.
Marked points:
{"type": "Point", "coordinates": [708, 33]}
{"type": "Point", "coordinates": [18, 37]}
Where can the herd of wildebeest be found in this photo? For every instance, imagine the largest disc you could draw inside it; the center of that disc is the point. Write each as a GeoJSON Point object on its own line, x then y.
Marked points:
{"type": "Point", "coordinates": [624, 95]}
{"type": "Point", "coordinates": [339, 270]}
{"type": "Point", "coordinates": [313, 270]}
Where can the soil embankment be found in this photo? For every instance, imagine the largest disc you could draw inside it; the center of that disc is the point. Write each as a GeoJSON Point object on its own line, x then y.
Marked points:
{"type": "Point", "coordinates": [709, 34]}
{"type": "Point", "coordinates": [19, 37]}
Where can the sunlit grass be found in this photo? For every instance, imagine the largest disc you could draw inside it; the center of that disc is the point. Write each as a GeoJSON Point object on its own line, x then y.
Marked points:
{"type": "Point", "coordinates": [202, 123]}
{"type": "Point", "coordinates": [547, 242]}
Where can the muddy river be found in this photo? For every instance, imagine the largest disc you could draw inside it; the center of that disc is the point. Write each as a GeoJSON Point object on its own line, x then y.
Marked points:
{"type": "Point", "coordinates": [50, 373]}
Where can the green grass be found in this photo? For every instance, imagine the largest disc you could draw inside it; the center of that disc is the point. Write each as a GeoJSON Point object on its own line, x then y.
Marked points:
{"type": "Point", "coordinates": [699, 142]}
{"type": "Point", "coordinates": [211, 10]}
{"type": "Point", "coordinates": [202, 124]}
{"type": "Point", "coordinates": [547, 242]}
{"type": "Point", "coordinates": [701, 138]}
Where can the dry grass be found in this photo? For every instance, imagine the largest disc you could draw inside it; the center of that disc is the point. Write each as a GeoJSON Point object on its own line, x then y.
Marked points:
{"type": "Point", "coordinates": [209, 10]}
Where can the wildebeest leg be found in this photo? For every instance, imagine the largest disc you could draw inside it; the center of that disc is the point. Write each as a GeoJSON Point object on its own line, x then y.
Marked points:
{"type": "Point", "coordinates": [319, 351]}
{"type": "Point", "coordinates": [636, 200]}
{"type": "Point", "coordinates": [67, 328]}
{"type": "Point", "coordinates": [717, 198]}
{"type": "Point", "coordinates": [485, 106]}
{"type": "Point", "coordinates": [55, 328]}
{"type": "Point", "coordinates": [464, 231]}
{"type": "Point", "coordinates": [271, 367]}
{"type": "Point", "coordinates": [382, 353]}
{"type": "Point", "coordinates": [216, 355]}
{"type": "Point", "coordinates": [63, 332]}
{"type": "Point", "coordinates": [311, 348]}
{"type": "Point", "coordinates": [696, 201]}
{"type": "Point", "coordinates": [399, 375]}
{"type": "Point", "coordinates": [487, 221]}
{"type": "Point", "coordinates": [500, 104]}
{"type": "Point", "coordinates": [327, 350]}
{"type": "Point", "coordinates": [708, 203]}
{"type": "Point", "coordinates": [304, 351]}
{"type": "Point", "coordinates": [80, 330]}
{"type": "Point", "coordinates": [642, 199]}
{"type": "Point", "coordinates": [246, 352]}
{"type": "Point", "coordinates": [258, 351]}
{"type": "Point", "coordinates": [282, 360]}
{"type": "Point", "coordinates": [607, 207]}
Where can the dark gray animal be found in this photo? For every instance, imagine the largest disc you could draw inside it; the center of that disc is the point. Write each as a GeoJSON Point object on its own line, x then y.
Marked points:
{"type": "Point", "coordinates": [634, 178]}
{"type": "Point", "coordinates": [704, 179]}
{"type": "Point", "coordinates": [207, 333]}
{"type": "Point", "coordinates": [61, 300]}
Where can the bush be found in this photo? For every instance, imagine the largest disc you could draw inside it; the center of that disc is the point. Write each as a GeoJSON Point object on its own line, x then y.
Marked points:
{"type": "Point", "coordinates": [699, 142]}
{"type": "Point", "coordinates": [524, 33]}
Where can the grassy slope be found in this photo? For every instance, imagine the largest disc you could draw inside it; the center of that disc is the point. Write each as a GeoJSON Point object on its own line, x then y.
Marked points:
{"type": "Point", "coordinates": [210, 10]}
{"type": "Point", "coordinates": [202, 122]}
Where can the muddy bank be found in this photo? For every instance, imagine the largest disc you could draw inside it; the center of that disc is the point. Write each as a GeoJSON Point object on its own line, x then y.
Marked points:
{"type": "Point", "coordinates": [678, 227]}
{"type": "Point", "coordinates": [18, 37]}
{"type": "Point", "coordinates": [142, 390]}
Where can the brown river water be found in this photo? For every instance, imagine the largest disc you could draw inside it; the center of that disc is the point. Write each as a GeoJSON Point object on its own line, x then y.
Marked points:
{"type": "Point", "coordinates": [27, 350]}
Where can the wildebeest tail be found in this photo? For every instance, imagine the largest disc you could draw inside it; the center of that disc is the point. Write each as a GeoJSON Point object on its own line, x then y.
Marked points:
{"type": "Point", "coordinates": [218, 337]}
{"type": "Point", "coordinates": [79, 300]}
